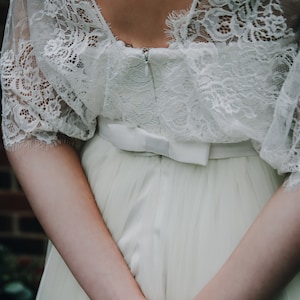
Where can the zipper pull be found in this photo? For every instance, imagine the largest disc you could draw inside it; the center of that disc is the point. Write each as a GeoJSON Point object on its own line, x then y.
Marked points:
{"type": "Point", "coordinates": [146, 58]}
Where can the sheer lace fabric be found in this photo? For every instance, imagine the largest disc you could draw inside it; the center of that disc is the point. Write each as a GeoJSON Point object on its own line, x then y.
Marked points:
{"type": "Point", "coordinates": [230, 73]}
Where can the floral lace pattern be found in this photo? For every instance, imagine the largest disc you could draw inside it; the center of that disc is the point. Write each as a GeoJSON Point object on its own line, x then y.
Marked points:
{"type": "Point", "coordinates": [24, 87]}
{"type": "Point", "coordinates": [228, 75]}
{"type": "Point", "coordinates": [209, 105]}
{"type": "Point", "coordinates": [231, 21]}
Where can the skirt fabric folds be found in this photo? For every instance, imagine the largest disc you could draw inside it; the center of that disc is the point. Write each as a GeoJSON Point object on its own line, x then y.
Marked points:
{"type": "Point", "coordinates": [175, 223]}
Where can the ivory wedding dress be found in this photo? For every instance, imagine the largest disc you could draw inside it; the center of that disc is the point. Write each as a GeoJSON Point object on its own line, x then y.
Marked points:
{"type": "Point", "coordinates": [182, 142]}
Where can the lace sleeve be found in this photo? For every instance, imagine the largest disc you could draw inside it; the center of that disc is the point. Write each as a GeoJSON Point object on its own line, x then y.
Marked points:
{"type": "Point", "coordinates": [281, 147]}
{"type": "Point", "coordinates": [32, 110]}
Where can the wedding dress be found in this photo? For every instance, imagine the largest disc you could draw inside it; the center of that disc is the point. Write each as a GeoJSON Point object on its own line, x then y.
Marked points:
{"type": "Point", "coordinates": [182, 145]}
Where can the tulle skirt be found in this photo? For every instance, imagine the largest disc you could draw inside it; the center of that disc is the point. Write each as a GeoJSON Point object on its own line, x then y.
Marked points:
{"type": "Point", "coordinates": [175, 223]}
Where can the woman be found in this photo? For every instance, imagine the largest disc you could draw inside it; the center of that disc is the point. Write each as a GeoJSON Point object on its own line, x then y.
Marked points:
{"type": "Point", "coordinates": [173, 98]}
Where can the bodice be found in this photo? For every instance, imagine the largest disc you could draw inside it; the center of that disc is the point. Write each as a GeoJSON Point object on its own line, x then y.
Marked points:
{"type": "Point", "coordinates": [224, 78]}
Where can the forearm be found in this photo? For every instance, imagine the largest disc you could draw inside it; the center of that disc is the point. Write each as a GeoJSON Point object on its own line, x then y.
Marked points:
{"type": "Point", "coordinates": [267, 257]}
{"type": "Point", "coordinates": [59, 193]}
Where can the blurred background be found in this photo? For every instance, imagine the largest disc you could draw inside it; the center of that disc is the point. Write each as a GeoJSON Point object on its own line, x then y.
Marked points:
{"type": "Point", "coordinates": [22, 240]}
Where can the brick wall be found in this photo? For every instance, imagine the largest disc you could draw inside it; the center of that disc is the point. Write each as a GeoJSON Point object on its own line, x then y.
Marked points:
{"type": "Point", "coordinates": [20, 233]}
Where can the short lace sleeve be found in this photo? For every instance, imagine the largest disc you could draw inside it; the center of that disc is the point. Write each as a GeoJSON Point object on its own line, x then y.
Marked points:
{"type": "Point", "coordinates": [32, 109]}
{"type": "Point", "coordinates": [281, 147]}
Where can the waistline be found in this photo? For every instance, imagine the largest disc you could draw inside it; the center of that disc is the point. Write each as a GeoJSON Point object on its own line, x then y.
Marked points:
{"type": "Point", "coordinates": [136, 139]}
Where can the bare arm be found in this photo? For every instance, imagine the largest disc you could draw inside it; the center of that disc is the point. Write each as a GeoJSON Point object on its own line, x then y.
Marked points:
{"type": "Point", "coordinates": [59, 193]}
{"type": "Point", "coordinates": [267, 257]}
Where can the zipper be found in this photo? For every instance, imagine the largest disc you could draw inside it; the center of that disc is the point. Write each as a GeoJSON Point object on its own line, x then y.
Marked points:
{"type": "Point", "coordinates": [148, 71]}
{"type": "Point", "coordinates": [147, 63]}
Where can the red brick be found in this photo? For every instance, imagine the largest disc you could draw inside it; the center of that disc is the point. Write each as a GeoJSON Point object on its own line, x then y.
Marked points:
{"type": "Point", "coordinates": [15, 201]}
{"type": "Point", "coordinates": [25, 245]}
{"type": "Point", "coordinates": [6, 223]}
{"type": "Point", "coordinates": [29, 224]}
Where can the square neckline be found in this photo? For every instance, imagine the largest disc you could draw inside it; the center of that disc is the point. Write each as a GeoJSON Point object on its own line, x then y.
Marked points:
{"type": "Point", "coordinates": [115, 39]}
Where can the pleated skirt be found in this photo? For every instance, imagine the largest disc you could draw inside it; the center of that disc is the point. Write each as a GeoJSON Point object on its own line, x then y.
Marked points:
{"type": "Point", "coordinates": [175, 223]}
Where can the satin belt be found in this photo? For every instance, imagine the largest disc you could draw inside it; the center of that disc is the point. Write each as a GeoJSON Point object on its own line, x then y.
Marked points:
{"type": "Point", "coordinates": [135, 139]}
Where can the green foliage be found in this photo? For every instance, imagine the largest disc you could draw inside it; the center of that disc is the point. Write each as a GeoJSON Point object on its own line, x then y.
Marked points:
{"type": "Point", "coordinates": [19, 276]}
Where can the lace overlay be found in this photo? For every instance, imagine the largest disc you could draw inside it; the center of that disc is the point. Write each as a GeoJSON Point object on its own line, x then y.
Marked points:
{"type": "Point", "coordinates": [24, 84]}
{"type": "Point", "coordinates": [230, 73]}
